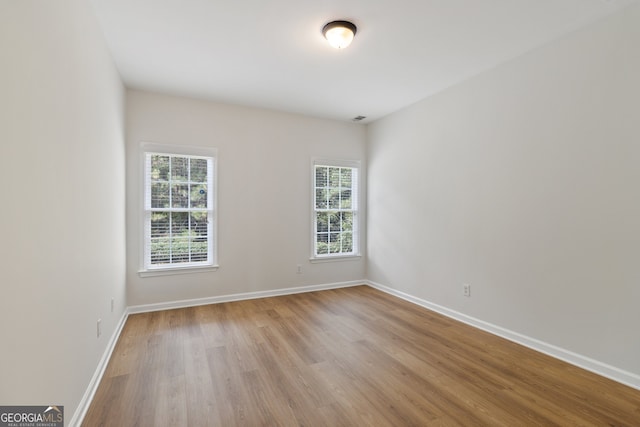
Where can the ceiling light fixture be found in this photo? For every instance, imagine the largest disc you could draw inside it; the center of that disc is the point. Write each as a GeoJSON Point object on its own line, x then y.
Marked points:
{"type": "Point", "coordinates": [339, 34]}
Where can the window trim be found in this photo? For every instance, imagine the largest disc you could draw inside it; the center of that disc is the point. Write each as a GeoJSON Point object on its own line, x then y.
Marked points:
{"type": "Point", "coordinates": [185, 150]}
{"type": "Point", "coordinates": [357, 254]}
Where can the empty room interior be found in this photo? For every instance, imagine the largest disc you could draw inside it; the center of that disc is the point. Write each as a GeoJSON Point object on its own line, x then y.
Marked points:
{"type": "Point", "coordinates": [216, 213]}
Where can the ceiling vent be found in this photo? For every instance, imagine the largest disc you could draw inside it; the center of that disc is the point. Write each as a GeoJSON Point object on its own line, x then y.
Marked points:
{"type": "Point", "coordinates": [358, 118]}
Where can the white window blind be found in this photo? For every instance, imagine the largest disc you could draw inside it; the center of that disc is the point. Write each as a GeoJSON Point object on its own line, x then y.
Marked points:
{"type": "Point", "coordinates": [335, 209]}
{"type": "Point", "coordinates": [179, 210]}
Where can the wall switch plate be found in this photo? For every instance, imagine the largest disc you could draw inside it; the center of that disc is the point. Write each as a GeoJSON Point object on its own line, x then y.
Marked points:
{"type": "Point", "coordinates": [99, 327]}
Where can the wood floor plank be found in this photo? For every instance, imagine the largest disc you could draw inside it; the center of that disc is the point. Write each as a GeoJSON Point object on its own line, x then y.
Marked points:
{"type": "Point", "coordinates": [171, 405]}
{"type": "Point", "coordinates": [199, 387]}
{"type": "Point", "coordinates": [343, 357]}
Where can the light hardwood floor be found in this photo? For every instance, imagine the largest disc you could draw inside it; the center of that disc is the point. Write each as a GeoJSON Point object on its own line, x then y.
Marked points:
{"type": "Point", "coordinates": [345, 357]}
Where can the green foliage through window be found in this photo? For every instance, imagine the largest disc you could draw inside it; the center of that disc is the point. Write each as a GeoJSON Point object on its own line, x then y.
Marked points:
{"type": "Point", "coordinates": [335, 209]}
{"type": "Point", "coordinates": [178, 209]}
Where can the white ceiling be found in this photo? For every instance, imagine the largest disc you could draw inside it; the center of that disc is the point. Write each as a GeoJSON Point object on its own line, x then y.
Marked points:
{"type": "Point", "coordinates": [271, 53]}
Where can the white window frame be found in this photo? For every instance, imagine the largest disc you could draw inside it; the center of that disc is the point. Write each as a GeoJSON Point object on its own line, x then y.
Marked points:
{"type": "Point", "coordinates": [356, 209]}
{"type": "Point", "coordinates": [148, 269]}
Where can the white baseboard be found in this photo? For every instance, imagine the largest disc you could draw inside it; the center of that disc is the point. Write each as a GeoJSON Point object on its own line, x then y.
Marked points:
{"type": "Point", "coordinates": [239, 297]}
{"type": "Point", "coordinates": [624, 377]}
{"type": "Point", "coordinates": [85, 402]}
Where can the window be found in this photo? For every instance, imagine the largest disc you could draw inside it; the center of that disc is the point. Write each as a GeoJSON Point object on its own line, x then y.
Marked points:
{"type": "Point", "coordinates": [335, 209]}
{"type": "Point", "coordinates": [179, 201]}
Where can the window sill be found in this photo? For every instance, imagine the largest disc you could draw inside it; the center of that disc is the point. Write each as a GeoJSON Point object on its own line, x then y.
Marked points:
{"type": "Point", "coordinates": [335, 258]}
{"type": "Point", "coordinates": [176, 270]}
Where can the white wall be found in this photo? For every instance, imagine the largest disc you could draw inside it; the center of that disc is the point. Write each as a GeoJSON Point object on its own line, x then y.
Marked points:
{"type": "Point", "coordinates": [62, 210]}
{"type": "Point", "coordinates": [264, 161]}
{"type": "Point", "coordinates": [524, 183]}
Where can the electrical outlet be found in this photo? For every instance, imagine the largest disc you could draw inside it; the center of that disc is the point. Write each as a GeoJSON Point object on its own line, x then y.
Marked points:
{"type": "Point", "coordinates": [113, 302]}
{"type": "Point", "coordinates": [99, 327]}
{"type": "Point", "coordinates": [466, 290]}
{"type": "Point", "coordinates": [299, 269]}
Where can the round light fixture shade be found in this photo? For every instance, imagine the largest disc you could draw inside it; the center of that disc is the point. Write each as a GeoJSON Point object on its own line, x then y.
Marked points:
{"type": "Point", "coordinates": [339, 34]}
